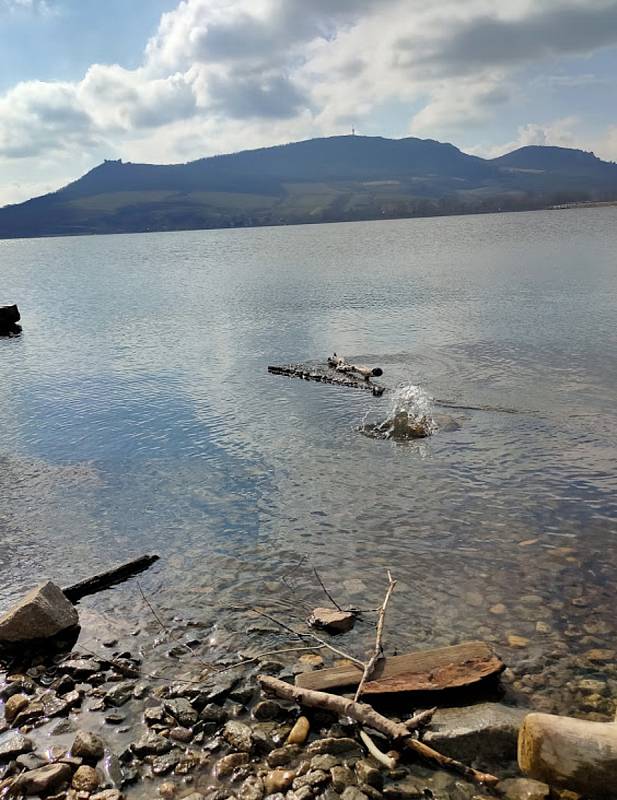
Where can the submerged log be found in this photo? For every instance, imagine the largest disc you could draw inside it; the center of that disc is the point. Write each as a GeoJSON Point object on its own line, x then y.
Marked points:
{"type": "Point", "coordinates": [326, 375]}
{"type": "Point", "coordinates": [569, 753]}
{"type": "Point", "coordinates": [105, 580]}
{"type": "Point", "coordinates": [423, 671]}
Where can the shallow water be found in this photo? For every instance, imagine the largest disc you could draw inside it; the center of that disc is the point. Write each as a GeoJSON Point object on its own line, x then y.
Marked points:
{"type": "Point", "coordinates": [137, 415]}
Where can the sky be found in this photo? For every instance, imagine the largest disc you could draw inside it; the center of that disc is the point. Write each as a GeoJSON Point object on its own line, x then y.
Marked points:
{"type": "Point", "coordinates": [164, 81]}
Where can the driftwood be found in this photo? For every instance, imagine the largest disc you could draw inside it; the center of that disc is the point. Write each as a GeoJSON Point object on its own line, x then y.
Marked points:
{"type": "Point", "coordinates": [105, 580]}
{"type": "Point", "coordinates": [340, 365]}
{"type": "Point", "coordinates": [325, 375]}
{"type": "Point", "coordinates": [426, 670]}
{"type": "Point", "coordinates": [570, 753]}
{"type": "Point", "coordinates": [366, 715]}
{"type": "Point", "coordinates": [369, 667]}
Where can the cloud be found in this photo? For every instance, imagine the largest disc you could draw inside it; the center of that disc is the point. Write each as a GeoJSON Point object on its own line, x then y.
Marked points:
{"type": "Point", "coordinates": [219, 75]}
{"type": "Point", "coordinates": [491, 41]}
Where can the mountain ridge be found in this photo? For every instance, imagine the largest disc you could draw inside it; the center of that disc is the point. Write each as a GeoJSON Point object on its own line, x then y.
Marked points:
{"type": "Point", "coordinates": [315, 180]}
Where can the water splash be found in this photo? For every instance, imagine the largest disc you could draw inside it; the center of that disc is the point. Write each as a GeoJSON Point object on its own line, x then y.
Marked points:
{"type": "Point", "coordinates": [410, 416]}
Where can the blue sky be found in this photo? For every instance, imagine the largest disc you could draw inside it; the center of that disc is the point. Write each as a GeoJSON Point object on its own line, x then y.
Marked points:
{"type": "Point", "coordinates": [171, 80]}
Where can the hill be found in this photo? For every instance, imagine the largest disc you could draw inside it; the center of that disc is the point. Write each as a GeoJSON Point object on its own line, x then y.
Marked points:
{"type": "Point", "coordinates": [319, 180]}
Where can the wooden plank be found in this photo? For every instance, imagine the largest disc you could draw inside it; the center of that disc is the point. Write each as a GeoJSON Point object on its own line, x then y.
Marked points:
{"type": "Point", "coordinates": [109, 578]}
{"type": "Point", "coordinates": [423, 671]}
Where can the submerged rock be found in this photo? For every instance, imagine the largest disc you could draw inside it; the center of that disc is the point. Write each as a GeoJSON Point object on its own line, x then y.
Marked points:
{"type": "Point", "coordinates": [488, 731]}
{"type": "Point", "coordinates": [42, 613]}
{"type": "Point", "coordinates": [331, 620]}
{"type": "Point", "coordinates": [401, 427]}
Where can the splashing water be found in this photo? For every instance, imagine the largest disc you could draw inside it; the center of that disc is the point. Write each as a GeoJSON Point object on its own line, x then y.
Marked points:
{"type": "Point", "coordinates": [410, 416]}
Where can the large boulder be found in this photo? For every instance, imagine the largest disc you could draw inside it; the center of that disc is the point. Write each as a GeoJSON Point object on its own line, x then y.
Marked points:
{"type": "Point", "coordinates": [9, 317]}
{"type": "Point", "coordinates": [41, 614]}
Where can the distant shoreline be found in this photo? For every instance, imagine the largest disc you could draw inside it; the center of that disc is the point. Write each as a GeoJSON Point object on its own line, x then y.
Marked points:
{"type": "Point", "coordinates": [475, 213]}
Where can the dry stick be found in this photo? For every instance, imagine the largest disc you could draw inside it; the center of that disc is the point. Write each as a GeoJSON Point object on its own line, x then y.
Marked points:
{"type": "Point", "coordinates": [370, 665]}
{"type": "Point", "coordinates": [388, 761]}
{"type": "Point", "coordinates": [322, 642]}
{"type": "Point", "coordinates": [326, 592]}
{"type": "Point", "coordinates": [366, 715]}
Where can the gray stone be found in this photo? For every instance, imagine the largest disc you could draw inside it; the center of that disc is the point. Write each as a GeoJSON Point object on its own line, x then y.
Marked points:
{"type": "Point", "coordinates": [252, 788]}
{"type": "Point", "coordinates": [151, 744]}
{"type": "Point", "coordinates": [238, 735]}
{"type": "Point", "coordinates": [369, 774]}
{"type": "Point", "coordinates": [88, 746]}
{"type": "Point", "coordinates": [342, 777]}
{"type": "Point", "coordinates": [182, 735]}
{"type": "Point", "coordinates": [331, 620]}
{"type": "Point", "coordinates": [30, 760]}
{"type": "Point", "coordinates": [119, 694]}
{"type": "Point", "coordinates": [12, 745]}
{"type": "Point", "coordinates": [181, 710]}
{"type": "Point", "coordinates": [62, 727]}
{"type": "Point", "coordinates": [42, 613]}
{"type": "Point", "coordinates": [488, 731]}
{"type": "Point", "coordinates": [282, 756]}
{"type": "Point", "coordinates": [43, 779]}
{"type": "Point", "coordinates": [161, 765]}
{"type": "Point", "coordinates": [108, 794]}
{"type": "Point", "coordinates": [81, 668]}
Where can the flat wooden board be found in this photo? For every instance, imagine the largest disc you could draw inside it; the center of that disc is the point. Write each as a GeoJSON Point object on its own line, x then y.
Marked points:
{"type": "Point", "coordinates": [423, 671]}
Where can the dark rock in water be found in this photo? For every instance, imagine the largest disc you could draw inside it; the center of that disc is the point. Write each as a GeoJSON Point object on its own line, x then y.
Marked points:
{"type": "Point", "coordinates": [401, 427]}
{"type": "Point", "coordinates": [42, 780]}
{"type": "Point", "coordinates": [151, 744]}
{"type": "Point", "coordinates": [42, 613]}
{"type": "Point", "coordinates": [9, 317]}
{"type": "Point", "coordinates": [487, 731]}
{"type": "Point", "coordinates": [161, 765]}
{"type": "Point", "coordinates": [14, 744]}
{"type": "Point", "coordinates": [181, 710]}
{"type": "Point", "coordinates": [120, 694]}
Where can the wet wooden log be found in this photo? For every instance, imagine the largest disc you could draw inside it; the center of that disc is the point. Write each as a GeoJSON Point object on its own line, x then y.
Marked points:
{"type": "Point", "coordinates": [569, 753]}
{"type": "Point", "coordinates": [105, 580]}
{"type": "Point", "coordinates": [340, 365]}
{"type": "Point", "coordinates": [324, 375]}
{"type": "Point", "coordinates": [423, 671]}
{"type": "Point", "coordinates": [366, 715]}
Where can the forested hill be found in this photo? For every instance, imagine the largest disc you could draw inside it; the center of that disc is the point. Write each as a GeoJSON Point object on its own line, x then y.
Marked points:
{"type": "Point", "coordinates": [319, 180]}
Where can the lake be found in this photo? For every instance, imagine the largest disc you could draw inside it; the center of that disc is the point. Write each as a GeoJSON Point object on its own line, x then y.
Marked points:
{"type": "Point", "coordinates": [138, 416]}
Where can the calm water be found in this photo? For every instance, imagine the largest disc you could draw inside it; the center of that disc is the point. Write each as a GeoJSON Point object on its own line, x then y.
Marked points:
{"type": "Point", "coordinates": [137, 415]}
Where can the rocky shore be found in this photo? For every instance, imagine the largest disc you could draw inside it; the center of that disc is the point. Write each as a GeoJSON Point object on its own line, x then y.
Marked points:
{"type": "Point", "coordinates": [80, 727]}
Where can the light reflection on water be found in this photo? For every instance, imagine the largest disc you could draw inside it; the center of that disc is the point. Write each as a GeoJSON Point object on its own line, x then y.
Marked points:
{"type": "Point", "coordinates": [137, 415]}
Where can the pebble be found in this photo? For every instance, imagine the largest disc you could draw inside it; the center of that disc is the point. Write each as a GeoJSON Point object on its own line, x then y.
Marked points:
{"type": "Point", "coordinates": [369, 774]}
{"type": "Point", "coordinates": [238, 735]}
{"type": "Point", "coordinates": [523, 789]}
{"type": "Point", "coordinates": [353, 793]}
{"type": "Point", "coordinates": [498, 609]}
{"type": "Point", "coordinates": [183, 735]}
{"type": "Point", "coordinates": [267, 710]}
{"type": "Point", "coordinates": [14, 705]}
{"type": "Point", "coordinates": [120, 694]}
{"type": "Point", "coordinates": [299, 732]}
{"type": "Point", "coordinates": [333, 746]}
{"type": "Point", "coordinates": [514, 640]}
{"type": "Point", "coordinates": [341, 777]}
{"type": "Point", "coordinates": [226, 765]}
{"type": "Point", "coordinates": [598, 654]}
{"type": "Point", "coordinates": [252, 788]}
{"type": "Point", "coordinates": [282, 756]}
{"type": "Point", "coordinates": [182, 711]}
{"type": "Point", "coordinates": [279, 780]}
{"type": "Point", "coordinates": [107, 794]}
{"type": "Point", "coordinates": [85, 779]}
{"type": "Point", "coordinates": [88, 746]}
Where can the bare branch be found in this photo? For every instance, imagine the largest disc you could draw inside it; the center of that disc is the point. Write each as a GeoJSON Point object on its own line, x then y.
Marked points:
{"type": "Point", "coordinates": [326, 592]}
{"type": "Point", "coordinates": [377, 653]}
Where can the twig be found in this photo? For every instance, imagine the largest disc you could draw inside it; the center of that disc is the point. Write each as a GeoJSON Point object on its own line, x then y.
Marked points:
{"type": "Point", "coordinates": [326, 592]}
{"type": "Point", "coordinates": [366, 715]}
{"type": "Point", "coordinates": [420, 719]}
{"type": "Point", "coordinates": [271, 653]}
{"type": "Point", "coordinates": [370, 665]}
{"type": "Point", "coordinates": [171, 633]}
{"type": "Point", "coordinates": [386, 760]}
{"type": "Point", "coordinates": [315, 638]}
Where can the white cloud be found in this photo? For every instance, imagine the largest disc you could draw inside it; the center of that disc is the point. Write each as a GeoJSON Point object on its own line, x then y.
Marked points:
{"type": "Point", "coordinates": [220, 75]}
